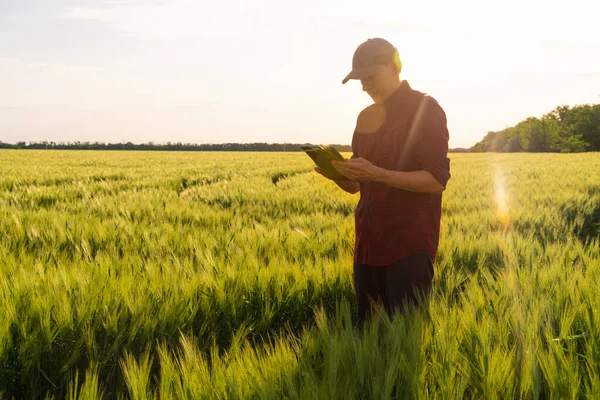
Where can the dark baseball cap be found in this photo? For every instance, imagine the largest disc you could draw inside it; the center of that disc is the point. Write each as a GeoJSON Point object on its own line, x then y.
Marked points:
{"type": "Point", "coordinates": [369, 55]}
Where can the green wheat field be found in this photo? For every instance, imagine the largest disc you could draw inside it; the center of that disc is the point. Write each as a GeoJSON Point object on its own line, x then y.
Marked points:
{"type": "Point", "coordinates": [174, 275]}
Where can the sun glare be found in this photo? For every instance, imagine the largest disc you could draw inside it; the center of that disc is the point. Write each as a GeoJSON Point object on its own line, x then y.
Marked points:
{"type": "Point", "coordinates": [502, 211]}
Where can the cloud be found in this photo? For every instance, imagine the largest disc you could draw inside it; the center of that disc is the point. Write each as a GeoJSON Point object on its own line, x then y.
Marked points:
{"type": "Point", "coordinates": [173, 20]}
{"type": "Point", "coordinates": [59, 67]}
{"type": "Point", "coordinates": [147, 21]}
{"type": "Point", "coordinates": [583, 44]}
{"type": "Point", "coordinates": [192, 19]}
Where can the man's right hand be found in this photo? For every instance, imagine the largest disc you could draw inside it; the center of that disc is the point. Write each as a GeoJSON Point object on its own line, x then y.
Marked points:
{"type": "Point", "coordinates": [348, 186]}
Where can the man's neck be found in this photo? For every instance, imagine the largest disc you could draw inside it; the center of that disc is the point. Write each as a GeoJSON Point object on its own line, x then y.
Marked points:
{"type": "Point", "coordinates": [391, 89]}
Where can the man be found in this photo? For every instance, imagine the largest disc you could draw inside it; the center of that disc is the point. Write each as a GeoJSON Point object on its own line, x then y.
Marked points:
{"type": "Point", "coordinates": [400, 167]}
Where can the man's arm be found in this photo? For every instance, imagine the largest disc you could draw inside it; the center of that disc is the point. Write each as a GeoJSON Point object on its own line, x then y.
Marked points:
{"type": "Point", "coordinates": [415, 181]}
{"type": "Point", "coordinates": [351, 187]}
{"type": "Point", "coordinates": [361, 169]}
{"type": "Point", "coordinates": [348, 186]}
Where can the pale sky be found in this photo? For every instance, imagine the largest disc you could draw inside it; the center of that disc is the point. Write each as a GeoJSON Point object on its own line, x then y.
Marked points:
{"type": "Point", "coordinates": [271, 70]}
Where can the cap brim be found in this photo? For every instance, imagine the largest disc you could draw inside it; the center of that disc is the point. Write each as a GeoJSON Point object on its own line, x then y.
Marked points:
{"type": "Point", "coordinates": [360, 73]}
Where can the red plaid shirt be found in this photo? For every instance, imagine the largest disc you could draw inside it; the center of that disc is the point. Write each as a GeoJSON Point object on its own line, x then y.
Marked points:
{"type": "Point", "coordinates": [408, 132]}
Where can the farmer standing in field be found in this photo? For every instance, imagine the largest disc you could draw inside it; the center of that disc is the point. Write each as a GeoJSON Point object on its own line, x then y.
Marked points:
{"type": "Point", "coordinates": [400, 167]}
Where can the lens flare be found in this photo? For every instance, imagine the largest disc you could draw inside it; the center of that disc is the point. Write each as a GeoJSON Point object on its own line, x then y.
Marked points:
{"type": "Point", "coordinates": [501, 199]}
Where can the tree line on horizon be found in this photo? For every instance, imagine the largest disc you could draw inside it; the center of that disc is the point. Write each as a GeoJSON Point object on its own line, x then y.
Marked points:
{"type": "Point", "coordinates": [562, 130]}
{"type": "Point", "coordinates": [169, 146]}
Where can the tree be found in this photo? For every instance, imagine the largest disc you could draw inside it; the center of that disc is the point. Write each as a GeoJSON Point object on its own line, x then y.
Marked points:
{"type": "Point", "coordinates": [563, 129]}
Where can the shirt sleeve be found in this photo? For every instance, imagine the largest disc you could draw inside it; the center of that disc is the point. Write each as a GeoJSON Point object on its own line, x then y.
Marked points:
{"type": "Point", "coordinates": [354, 143]}
{"type": "Point", "coordinates": [354, 147]}
{"type": "Point", "coordinates": [432, 148]}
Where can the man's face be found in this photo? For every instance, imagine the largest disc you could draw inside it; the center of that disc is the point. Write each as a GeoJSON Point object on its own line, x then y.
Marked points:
{"type": "Point", "coordinates": [377, 84]}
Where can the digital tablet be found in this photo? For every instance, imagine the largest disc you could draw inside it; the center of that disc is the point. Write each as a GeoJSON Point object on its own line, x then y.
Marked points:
{"type": "Point", "coordinates": [322, 156]}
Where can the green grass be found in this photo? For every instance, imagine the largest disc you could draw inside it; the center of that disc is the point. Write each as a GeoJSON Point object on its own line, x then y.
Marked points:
{"type": "Point", "coordinates": [229, 275]}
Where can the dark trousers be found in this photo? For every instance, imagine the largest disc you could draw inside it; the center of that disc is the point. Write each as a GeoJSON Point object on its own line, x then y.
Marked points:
{"type": "Point", "coordinates": [394, 286]}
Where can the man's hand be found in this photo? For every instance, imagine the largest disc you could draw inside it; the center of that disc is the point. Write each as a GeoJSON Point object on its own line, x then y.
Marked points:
{"type": "Point", "coordinates": [357, 169]}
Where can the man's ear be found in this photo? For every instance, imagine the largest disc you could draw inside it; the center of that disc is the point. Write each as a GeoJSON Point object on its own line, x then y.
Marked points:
{"type": "Point", "coordinates": [397, 62]}
{"type": "Point", "coordinates": [393, 66]}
